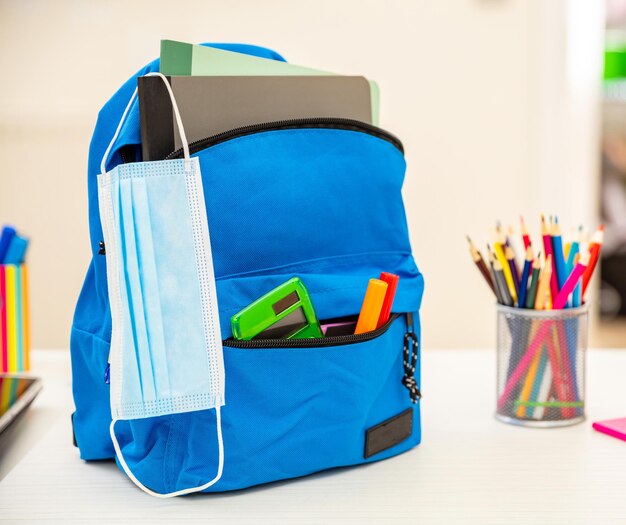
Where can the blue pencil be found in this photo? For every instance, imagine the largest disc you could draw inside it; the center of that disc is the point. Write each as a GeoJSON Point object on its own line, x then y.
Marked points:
{"type": "Point", "coordinates": [534, 395]}
{"type": "Point", "coordinates": [523, 284]}
{"type": "Point", "coordinates": [557, 248]}
{"type": "Point", "coordinates": [571, 325]}
{"type": "Point", "coordinates": [578, 291]}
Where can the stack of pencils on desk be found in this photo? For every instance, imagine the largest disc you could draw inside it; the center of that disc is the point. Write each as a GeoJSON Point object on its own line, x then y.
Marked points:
{"type": "Point", "coordinates": [554, 276]}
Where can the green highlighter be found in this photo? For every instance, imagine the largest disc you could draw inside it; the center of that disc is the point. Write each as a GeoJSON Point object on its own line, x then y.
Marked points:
{"type": "Point", "coordinates": [286, 312]}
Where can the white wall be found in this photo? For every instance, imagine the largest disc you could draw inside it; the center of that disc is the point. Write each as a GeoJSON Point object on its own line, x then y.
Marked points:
{"type": "Point", "coordinates": [462, 83]}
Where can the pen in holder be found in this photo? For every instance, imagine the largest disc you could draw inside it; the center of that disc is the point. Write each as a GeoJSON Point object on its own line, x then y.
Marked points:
{"type": "Point", "coordinates": [541, 366]}
{"type": "Point", "coordinates": [14, 320]}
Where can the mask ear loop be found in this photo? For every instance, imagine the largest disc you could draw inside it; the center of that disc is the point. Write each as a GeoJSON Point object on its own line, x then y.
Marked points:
{"type": "Point", "coordinates": [220, 465]}
{"type": "Point", "coordinates": [179, 124]}
{"type": "Point", "coordinates": [218, 417]}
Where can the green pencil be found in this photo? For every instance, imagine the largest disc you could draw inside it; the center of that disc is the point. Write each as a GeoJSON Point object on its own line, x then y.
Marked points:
{"type": "Point", "coordinates": [534, 281]}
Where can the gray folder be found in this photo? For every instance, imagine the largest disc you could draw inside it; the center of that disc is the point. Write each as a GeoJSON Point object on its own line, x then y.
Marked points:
{"type": "Point", "coordinates": [211, 105]}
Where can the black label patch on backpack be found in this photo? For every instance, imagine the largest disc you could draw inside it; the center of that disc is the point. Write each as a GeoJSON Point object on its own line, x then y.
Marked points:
{"type": "Point", "coordinates": [388, 433]}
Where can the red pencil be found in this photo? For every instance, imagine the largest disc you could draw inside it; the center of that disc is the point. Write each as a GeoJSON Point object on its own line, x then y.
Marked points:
{"type": "Point", "coordinates": [594, 253]}
{"type": "Point", "coordinates": [547, 247]}
{"type": "Point", "coordinates": [525, 235]}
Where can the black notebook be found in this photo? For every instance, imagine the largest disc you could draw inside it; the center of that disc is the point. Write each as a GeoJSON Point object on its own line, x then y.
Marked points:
{"type": "Point", "coordinates": [211, 105]}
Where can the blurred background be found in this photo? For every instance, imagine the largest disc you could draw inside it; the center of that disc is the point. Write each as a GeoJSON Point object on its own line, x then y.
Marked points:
{"type": "Point", "coordinates": [504, 107]}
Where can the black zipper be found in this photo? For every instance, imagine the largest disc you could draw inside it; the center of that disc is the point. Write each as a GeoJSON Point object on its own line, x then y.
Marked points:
{"type": "Point", "coordinates": [300, 123]}
{"type": "Point", "coordinates": [312, 342]}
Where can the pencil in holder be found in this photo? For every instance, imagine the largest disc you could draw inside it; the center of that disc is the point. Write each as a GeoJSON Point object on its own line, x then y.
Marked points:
{"type": "Point", "coordinates": [541, 366]}
{"type": "Point", "coordinates": [14, 318]}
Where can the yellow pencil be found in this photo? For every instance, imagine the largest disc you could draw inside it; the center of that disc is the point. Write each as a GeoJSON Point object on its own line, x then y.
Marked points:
{"type": "Point", "coordinates": [530, 378]}
{"type": "Point", "coordinates": [498, 247]}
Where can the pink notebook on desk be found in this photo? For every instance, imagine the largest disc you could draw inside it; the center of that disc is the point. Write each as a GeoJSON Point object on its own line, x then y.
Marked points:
{"type": "Point", "coordinates": [612, 427]}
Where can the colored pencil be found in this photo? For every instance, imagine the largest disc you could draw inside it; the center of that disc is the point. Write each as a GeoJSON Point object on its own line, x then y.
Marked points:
{"type": "Point", "coordinates": [498, 247]}
{"type": "Point", "coordinates": [506, 295]}
{"type": "Point", "coordinates": [25, 310]}
{"type": "Point", "coordinates": [530, 379]}
{"type": "Point", "coordinates": [19, 332]}
{"type": "Point", "coordinates": [496, 283]}
{"type": "Point", "coordinates": [543, 288]}
{"type": "Point", "coordinates": [594, 250]}
{"type": "Point", "coordinates": [510, 242]}
{"type": "Point", "coordinates": [558, 371]}
{"type": "Point", "coordinates": [523, 284]}
{"type": "Point", "coordinates": [557, 253]}
{"type": "Point", "coordinates": [534, 282]}
{"type": "Point", "coordinates": [510, 258]}
{"type": "Point", "coordinates": [572, 280]}
{"type": "Point", "coordinates": [541, 388]}
{"type": "Point", "coordinates": [525, 235]}
{"type": "Point", "coordinates": [480, 263]}
{"type": "Point", "coordinates": [569, 265]}
{"type": "Point", "coordinates": [547, 246]}
{"type": "Point", "coordinates": [11, 318]}
{"type": "Point", "coordinates": [4, 344]}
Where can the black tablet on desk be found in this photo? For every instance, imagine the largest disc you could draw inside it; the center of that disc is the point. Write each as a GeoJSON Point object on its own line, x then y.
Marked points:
{"type": "Point", "coordinates": [16, 394]}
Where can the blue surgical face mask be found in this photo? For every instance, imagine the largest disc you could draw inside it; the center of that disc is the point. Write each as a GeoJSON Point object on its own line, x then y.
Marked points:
{"type": "Point", "coordinates": [166, 351]}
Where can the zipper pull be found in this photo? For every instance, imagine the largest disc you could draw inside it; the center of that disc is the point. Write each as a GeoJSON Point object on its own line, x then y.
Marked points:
{"type": "Point", "coordinates": [102, 250]}
{"type": "Point", "coordinates": [410, 353]}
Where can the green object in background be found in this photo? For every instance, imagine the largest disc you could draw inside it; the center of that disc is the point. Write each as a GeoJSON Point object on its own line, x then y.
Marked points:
{"type": "Point", "coordinates": [181, 58]}
{"type": "Point", "coordinates": [286, 312]}
{"type": "Point", "coordinates": [614, 54]}
{"type": "Point", "coordinates": [614, 64]}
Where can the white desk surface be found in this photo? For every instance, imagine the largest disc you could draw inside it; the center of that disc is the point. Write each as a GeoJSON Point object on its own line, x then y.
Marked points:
{"type": "Point", "coordinates": [468, 469]}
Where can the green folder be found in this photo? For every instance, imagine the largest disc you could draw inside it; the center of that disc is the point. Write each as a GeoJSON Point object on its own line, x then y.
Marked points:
{"type": "Point", "coordinates": [180, 58]}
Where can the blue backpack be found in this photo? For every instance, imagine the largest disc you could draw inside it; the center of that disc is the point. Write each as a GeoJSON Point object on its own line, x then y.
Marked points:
{"type": "Point", "coordinates": [315, 198]}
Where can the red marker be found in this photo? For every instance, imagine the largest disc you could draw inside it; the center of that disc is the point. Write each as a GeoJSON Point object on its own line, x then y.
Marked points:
{"type": "Point", "coordinates": [392, 284]}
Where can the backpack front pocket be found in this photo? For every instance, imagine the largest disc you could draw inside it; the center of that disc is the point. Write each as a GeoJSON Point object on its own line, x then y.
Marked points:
{"type": "Point", "coordinates": [294, 410]}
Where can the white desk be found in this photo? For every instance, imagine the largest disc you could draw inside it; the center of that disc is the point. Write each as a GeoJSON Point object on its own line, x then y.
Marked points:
{"type": "Point", "coordinates": [469, 468]}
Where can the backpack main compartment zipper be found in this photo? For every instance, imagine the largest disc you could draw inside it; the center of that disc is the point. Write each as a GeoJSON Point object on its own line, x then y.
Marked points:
{"type": "Point", "coordinates": [300, 123]}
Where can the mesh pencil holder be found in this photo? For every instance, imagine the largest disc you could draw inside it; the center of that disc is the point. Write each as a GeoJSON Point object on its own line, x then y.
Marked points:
{"type": "Point", "coordinates": [541, 366]}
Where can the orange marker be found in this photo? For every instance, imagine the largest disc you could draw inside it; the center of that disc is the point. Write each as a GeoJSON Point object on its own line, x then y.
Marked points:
{"type": "Point", "coordinates": [372, 305]}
